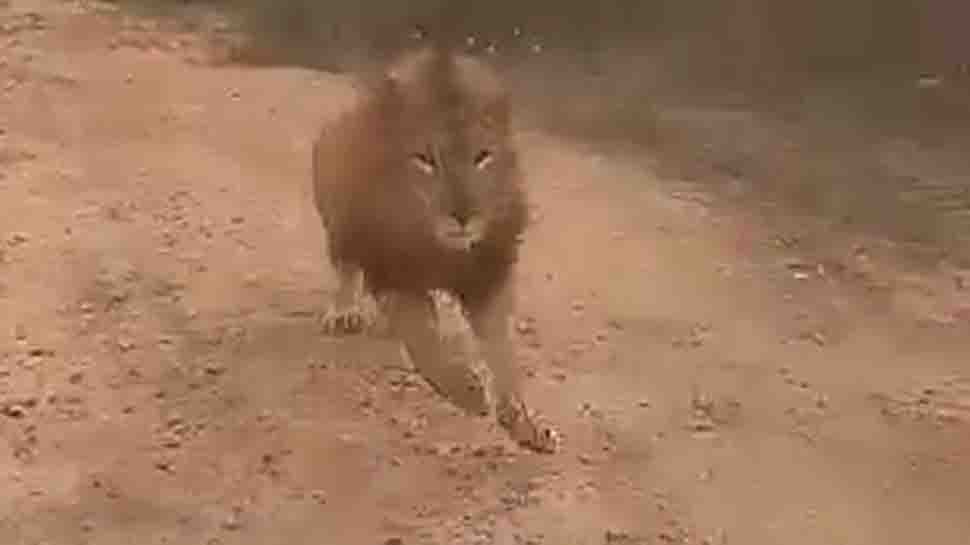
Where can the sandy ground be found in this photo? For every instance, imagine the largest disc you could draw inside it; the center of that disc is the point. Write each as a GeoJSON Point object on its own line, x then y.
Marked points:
{"type": "Point", "coordinates": [717, 378]}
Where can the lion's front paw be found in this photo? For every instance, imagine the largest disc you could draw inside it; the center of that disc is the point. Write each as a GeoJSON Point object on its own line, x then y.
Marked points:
{"type": "Point", "coordinates": [347, 320]}
{"type": "Point", "coordinates": [528, 428]}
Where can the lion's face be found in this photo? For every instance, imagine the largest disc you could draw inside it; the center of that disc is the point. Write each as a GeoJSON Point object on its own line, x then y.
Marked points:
{"type": "Point", "coordinates": [458, 162]}
{"type": "Point", "coordinates": [457, 179]}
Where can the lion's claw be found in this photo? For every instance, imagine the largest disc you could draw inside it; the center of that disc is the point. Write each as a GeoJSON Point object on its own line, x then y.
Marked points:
{"type": "Point", "coordinates": [347, 321]}
{"type": "Point", "coordinates": [528, 428]}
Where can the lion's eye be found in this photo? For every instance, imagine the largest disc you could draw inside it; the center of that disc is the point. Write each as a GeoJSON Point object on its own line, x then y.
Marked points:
{"type": "Point", "coordinates": [424, 162]}
{"type": "Point", "coordinates": [483, 159]}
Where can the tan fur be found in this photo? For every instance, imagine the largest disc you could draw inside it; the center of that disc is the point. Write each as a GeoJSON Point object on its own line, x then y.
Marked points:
{"type": "Point", "coordinates": [418, 187]}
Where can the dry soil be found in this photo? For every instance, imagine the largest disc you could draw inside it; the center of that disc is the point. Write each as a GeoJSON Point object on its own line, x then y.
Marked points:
{"type": "Point", "coordinates": [717, 378]}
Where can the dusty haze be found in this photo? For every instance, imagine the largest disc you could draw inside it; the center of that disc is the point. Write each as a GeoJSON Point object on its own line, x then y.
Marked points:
{"type": "Point", "coordinates": [747, 310]}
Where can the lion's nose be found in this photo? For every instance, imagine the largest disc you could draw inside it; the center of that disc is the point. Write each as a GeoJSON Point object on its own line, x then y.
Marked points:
{"type": "Point", "coordinates": [461, 216]}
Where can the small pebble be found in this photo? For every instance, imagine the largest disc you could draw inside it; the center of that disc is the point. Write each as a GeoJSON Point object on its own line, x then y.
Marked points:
{"type": "Point", "coordinates": [214, 368]}
{"type": "Point", "coordinates": [232, 522]}
{"type": "Point", "coordinates": [15, 411]}
{"type": "Point", "coordinates": [319, 496]}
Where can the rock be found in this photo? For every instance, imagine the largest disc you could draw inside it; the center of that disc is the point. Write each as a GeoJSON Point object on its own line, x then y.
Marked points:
{"type": "Point", "coordinates": [232, 522]}
{"type": "Point", "coordinates": [17, 239]}
{"type": "Point", "coordinates": [214, 368]}
{"type": "Point", "coordinates": [319, 496]}
{"type": "Point", "coordinates": [14, 410]}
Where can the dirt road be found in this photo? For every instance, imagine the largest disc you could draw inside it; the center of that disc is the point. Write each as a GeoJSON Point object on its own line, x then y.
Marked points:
{"type": "Point", "coordinates": [718, 378]}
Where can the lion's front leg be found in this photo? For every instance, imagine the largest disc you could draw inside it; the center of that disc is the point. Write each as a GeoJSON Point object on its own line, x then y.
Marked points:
{"type": "Point", "coordinates": [353, 309]}
{"type": "Point", "coordinates": [489, 318]}
{"type": "Point", "coordinates": [413, 320]}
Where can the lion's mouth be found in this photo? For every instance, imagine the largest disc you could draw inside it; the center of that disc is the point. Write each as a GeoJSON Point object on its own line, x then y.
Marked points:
{"type": "Point", "coordinates": [457, 237]}
{"type": "Point", "coordinates": [462, 242]}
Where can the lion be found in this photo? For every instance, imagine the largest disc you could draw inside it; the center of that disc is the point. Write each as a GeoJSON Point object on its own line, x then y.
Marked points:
{"type": "Point", "coordinates": [419, 190]}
